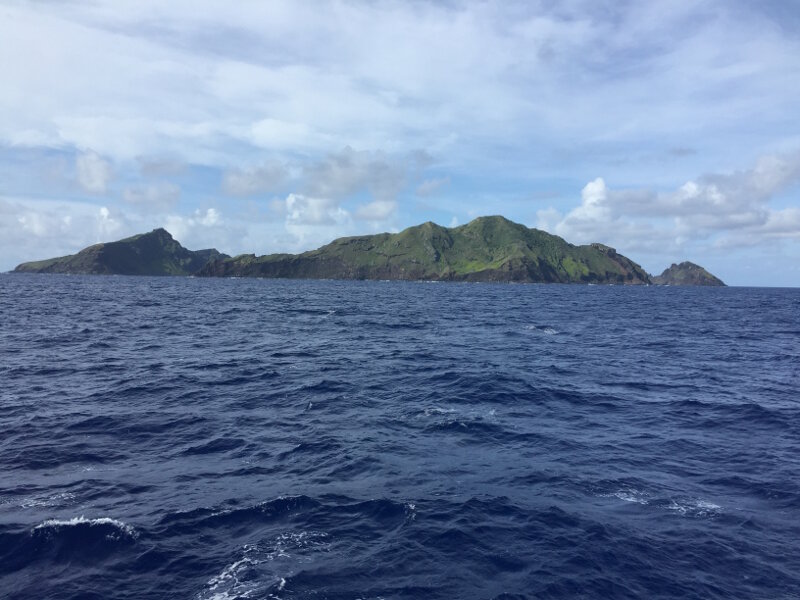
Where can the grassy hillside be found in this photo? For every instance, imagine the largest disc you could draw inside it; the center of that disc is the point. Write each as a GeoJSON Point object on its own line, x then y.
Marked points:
{"type": "Point", "coordinates": [486, 249]}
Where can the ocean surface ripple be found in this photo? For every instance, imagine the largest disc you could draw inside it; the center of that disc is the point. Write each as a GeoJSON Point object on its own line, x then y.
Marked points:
{"type": "Point", "coordinates": [220, 439]}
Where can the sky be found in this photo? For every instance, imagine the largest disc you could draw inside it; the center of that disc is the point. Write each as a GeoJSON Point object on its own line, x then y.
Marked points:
{"type": "Point", "coordinates": [669, 130]}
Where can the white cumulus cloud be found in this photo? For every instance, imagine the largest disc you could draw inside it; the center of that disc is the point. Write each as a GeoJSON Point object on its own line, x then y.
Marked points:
{"type": "Point", "coordinates": [726, 208]}
{"type": "Point", "coordinates": [188, 229]}
{"type": "Point", "coordinates": [305, 210]}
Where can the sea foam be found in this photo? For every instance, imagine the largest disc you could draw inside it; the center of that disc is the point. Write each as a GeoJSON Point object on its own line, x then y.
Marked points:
{"type": "Point", "coordinates": [122, 528]}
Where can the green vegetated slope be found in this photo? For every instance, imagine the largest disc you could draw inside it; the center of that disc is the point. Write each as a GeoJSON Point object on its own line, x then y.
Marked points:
{"type": "Point", "coordinates": [687, 273]}
{"type": "Point", "coordinates": [486, 249]}
{"type": "Point", "coordinates": [154, 253]}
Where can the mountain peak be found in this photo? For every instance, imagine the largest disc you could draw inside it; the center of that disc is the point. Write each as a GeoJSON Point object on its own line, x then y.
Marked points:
{"type": "Point", "coordinates": [491, 219]}
{"type": "Point", "coordinates": [158, 233]}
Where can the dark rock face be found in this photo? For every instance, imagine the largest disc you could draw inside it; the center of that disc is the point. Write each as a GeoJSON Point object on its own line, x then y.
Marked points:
{"type": "Point", "coordinates": [486, 249]}
{"type": "Point", "coordinates": [154, 253]}
{"type": "Point", "coordinates": [687, 273]}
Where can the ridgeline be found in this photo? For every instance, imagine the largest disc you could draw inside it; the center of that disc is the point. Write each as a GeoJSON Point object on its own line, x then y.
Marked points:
{"type": "Point", "coordinates": [486, 249]}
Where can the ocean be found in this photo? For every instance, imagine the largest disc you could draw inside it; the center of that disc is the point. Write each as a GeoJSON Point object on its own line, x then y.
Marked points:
{"type": "Point", "coordinates": [180, 438]}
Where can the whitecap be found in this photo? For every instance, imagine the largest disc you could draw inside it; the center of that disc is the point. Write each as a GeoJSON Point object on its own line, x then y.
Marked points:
{"type": "Point", "coordinates": [256, 572]}
{"type": "Point", "coordinates": [693, 507]}
{"type": "Point", "coordinates": [298, 540]}
{"type": "Point", "coordinates": [544, 329]}
{"type": "Point", "coordinates": [628, 495]}
{"type": "Point", "coordinates": [229, 583]}
{"type": "Point", "coordinates": [632, 496]}
{"type": "Point", "coordinates": [121, 527]}
{"type": "Point", "coordinates": [685, 507]}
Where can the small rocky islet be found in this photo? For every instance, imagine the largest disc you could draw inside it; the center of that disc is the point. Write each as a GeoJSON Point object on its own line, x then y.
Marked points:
{"type": "Point", "coordinates": [487, 249]}
{"type": "Point", "coordinates": [686, 273]}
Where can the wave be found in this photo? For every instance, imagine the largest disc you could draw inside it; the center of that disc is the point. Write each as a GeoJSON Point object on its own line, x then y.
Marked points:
{"type": "Point", "coordinates": [683, 506]}
{"type": "Point", "coordinates": [75, 540]}
{"type": "Point", "coordinates": [693, 507]}
{"type": "Point", "coordinates": [218, 445]}
{"type": "Point", "coordinates": [262, 569]}
{"type": "Point", "coordinates": [395, 441]}
{"type": "Point", "coordinates": [48, 500]}
{"type": "Point", "coordinates": [209, 518]}
{"type": "Point", "coordinates": [543, 329]}
{"type": "Point", "coordinates": [113, 527]}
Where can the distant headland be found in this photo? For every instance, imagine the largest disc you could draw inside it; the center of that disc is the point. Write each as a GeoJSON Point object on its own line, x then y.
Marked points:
{"type": "Point", "coordinates": [489, 249]}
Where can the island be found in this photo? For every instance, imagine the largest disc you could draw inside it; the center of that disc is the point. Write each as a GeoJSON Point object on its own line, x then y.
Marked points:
{"type": "Point", "coordinates": [487, 249]}
{"type": "Point", "coordinates": [687, 273]}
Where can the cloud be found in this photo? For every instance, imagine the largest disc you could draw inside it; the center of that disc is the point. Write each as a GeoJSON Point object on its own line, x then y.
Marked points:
{"type": "Point", "coordinates": [256, 180]}
{"type": "Point", "coordinates": [160, 167]}
{"type": "Point", "coordinates": [349, 172]}
{"type": "Point", "coordinates": [275, 133]}
{"type": "Point", "coordinates": [312, 222]}
{"type": "Point", "coordinates": [39, 229]}
{"type": "Point", "coordinates": [160, 197]}
{"type": "Point", "coordinates": [93, 172]}
{"type": "Point", "coordinates": [304, 210]}
{"type": "Point", "coordinates": [109, 224]}
{"type": "Point", "coordinates": [49, 220]}
{"type": "Point", "coordinates": [783, 224]}
{"type": "Point", "coordinates": [212, 217]}
{"type": "Point", "coordinates": [185, 228]}
{"type": "Point", "coordinates": [726, 208]}
{"type": "Point", "coordinates": [477, 81]}
{"type": "Point", "coordinates": [379, 210]}
{"type": "Point", "coordinates": [39, 224]}
{"type": "Point", "coordinates": [509, 97]}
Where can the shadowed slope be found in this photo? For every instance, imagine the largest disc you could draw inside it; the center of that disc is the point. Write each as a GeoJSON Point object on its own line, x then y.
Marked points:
{"type": "Point", "coordinates": [154, 253]}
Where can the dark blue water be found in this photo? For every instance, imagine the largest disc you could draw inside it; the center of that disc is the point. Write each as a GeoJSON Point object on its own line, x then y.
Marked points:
{"type": "Point", "coordinates": [198, 439]}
